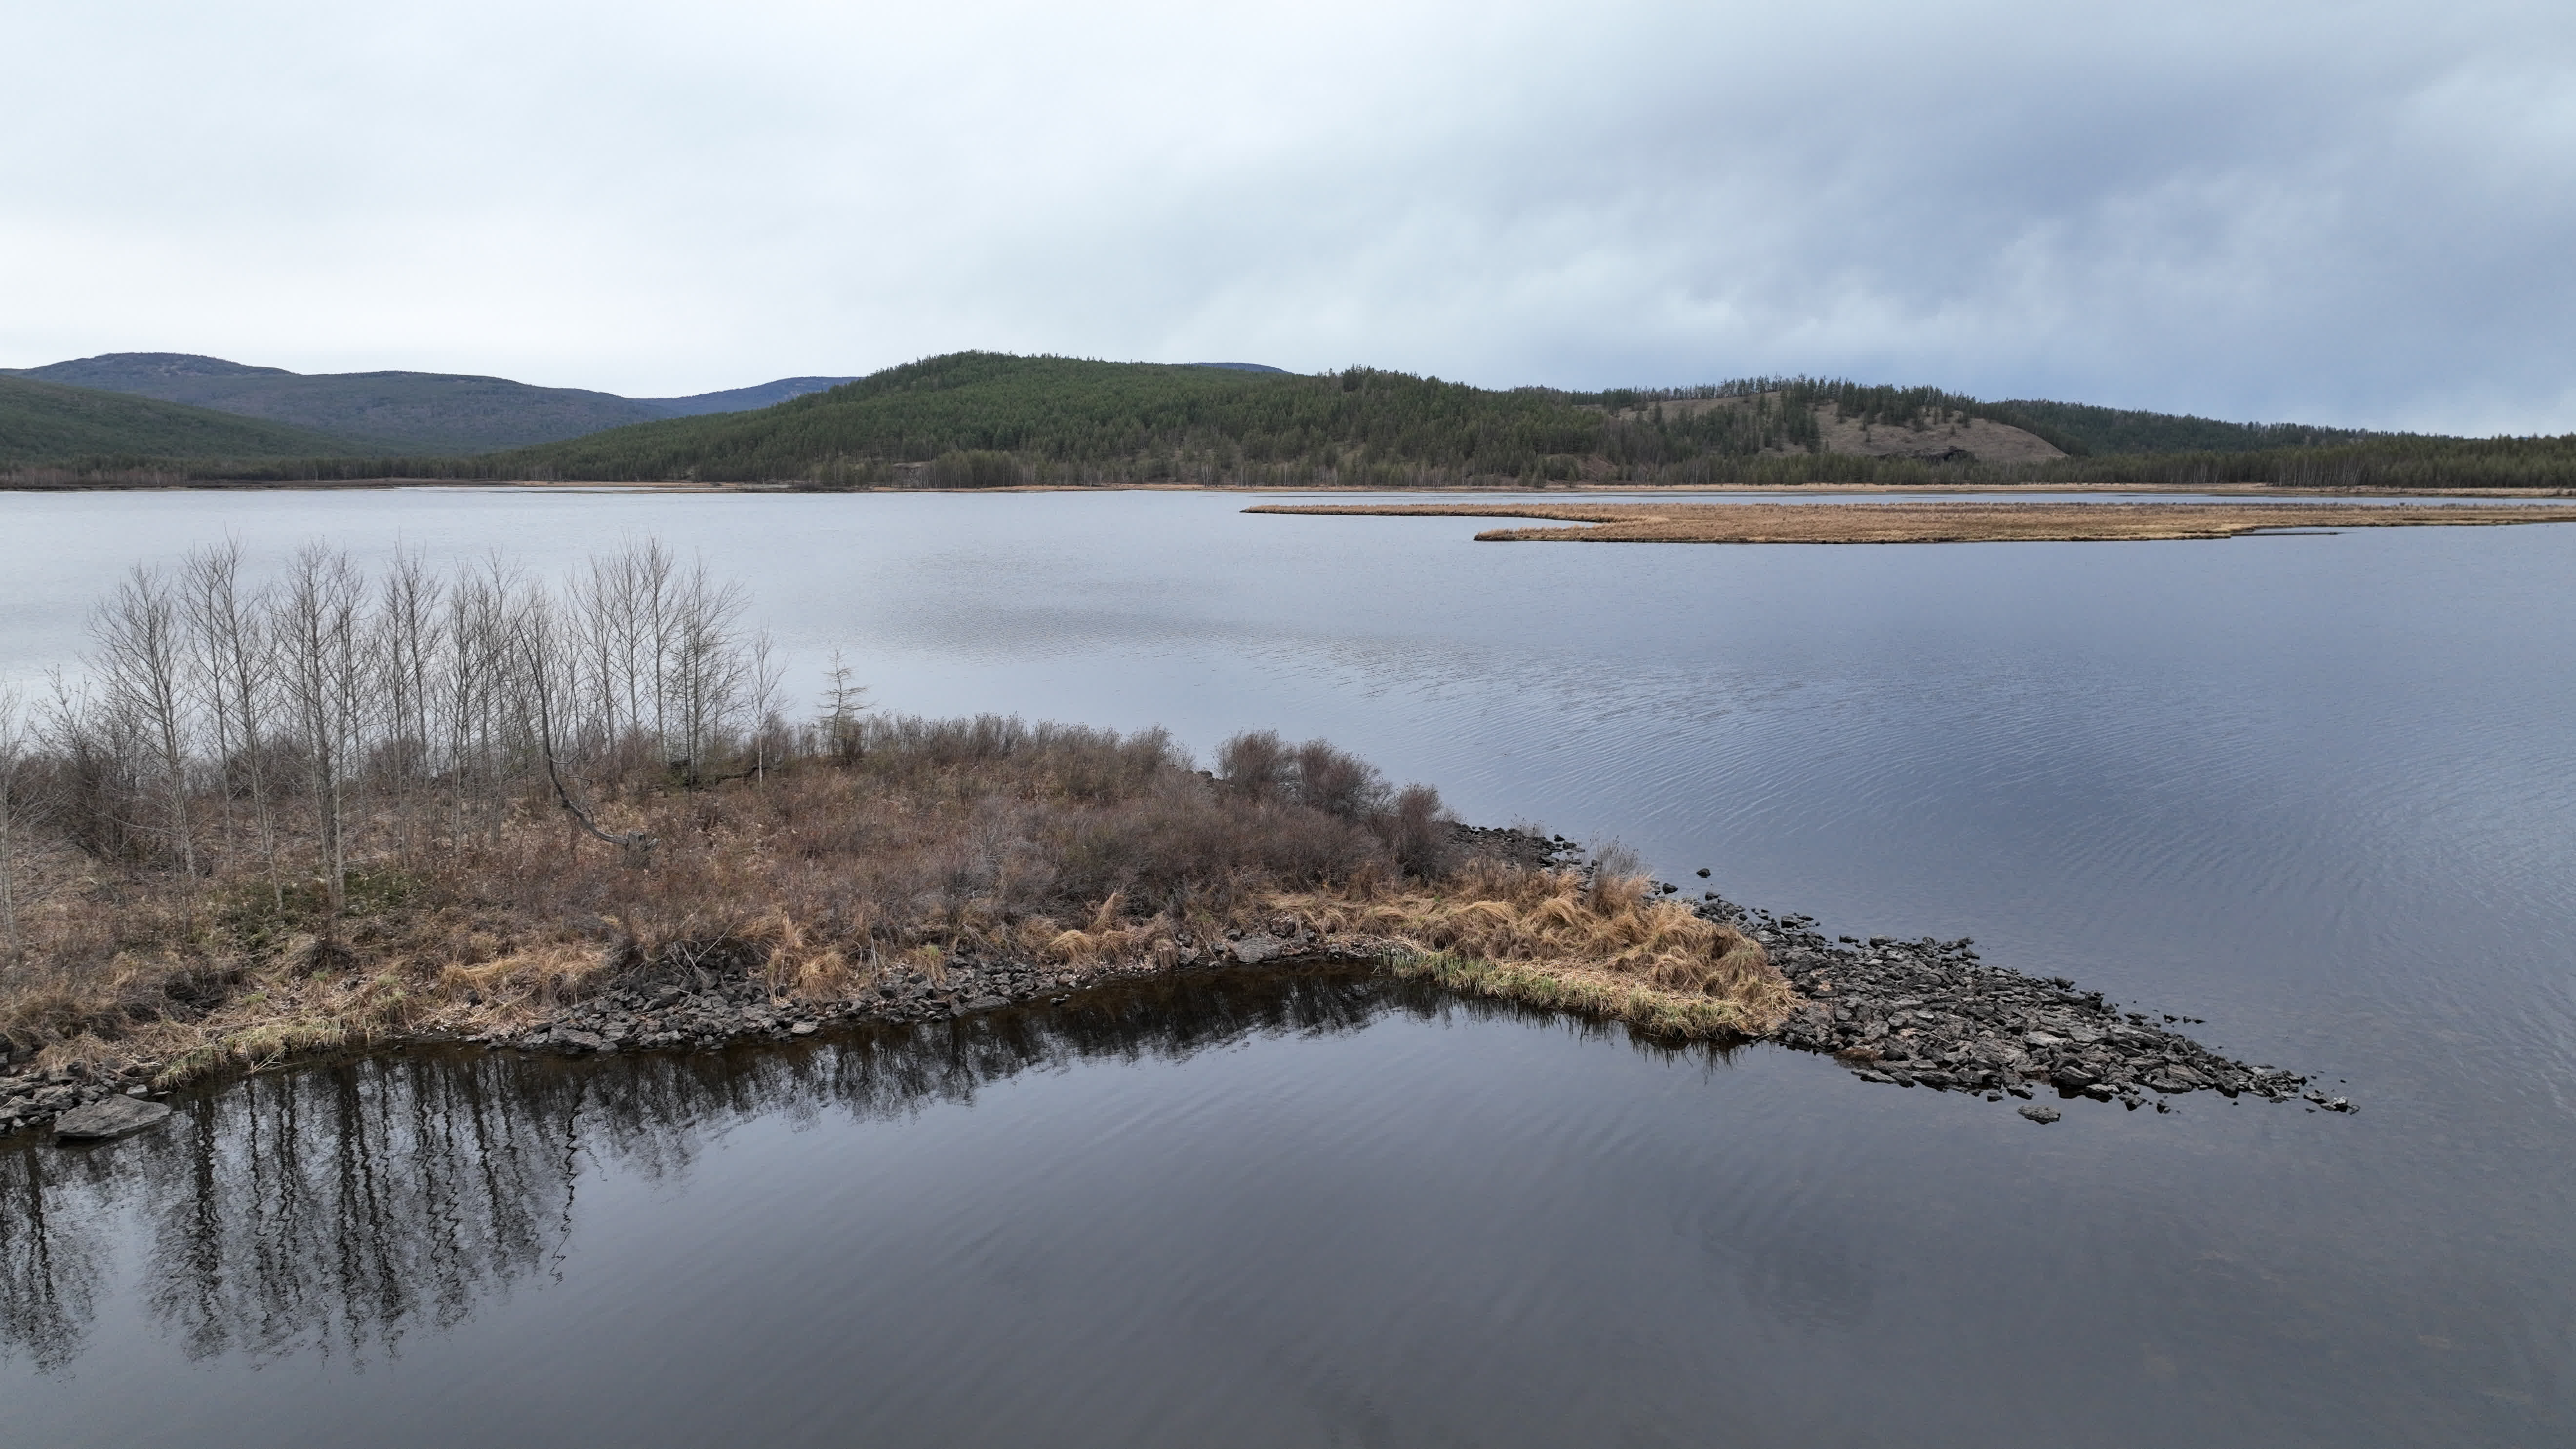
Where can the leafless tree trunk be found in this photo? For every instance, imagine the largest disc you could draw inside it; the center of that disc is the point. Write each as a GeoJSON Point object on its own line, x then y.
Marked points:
{"type": "Point", "coordinates": [322, 644]}
{"type": "Point", "coordinates": [544, 666]}
{"type": "Point", "coordinates": [14, 813]}
{"type": "Point", "coordinates": [842, 704]}
{"type": "Point", "coordinates": [407, 635]}
{"type": "Point", "coordinates": [707, 665]}
{"type": "Point", "coordinates": [761, 673]}
{"type": "Point", "coordinates": [143, 655]}
{"type": "Point", "coordinates": [233, 671]}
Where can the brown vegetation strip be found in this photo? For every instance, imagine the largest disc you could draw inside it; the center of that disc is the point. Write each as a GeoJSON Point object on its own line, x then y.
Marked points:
{"type": "Point", "coordinates": [1941, 522]}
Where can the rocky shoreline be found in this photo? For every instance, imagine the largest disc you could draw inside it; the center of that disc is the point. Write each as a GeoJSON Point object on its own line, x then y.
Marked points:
{"type": "Point", "coordinates": [1905, 1013]}
{"type": "Point", "coordinates": [1929, 1013]}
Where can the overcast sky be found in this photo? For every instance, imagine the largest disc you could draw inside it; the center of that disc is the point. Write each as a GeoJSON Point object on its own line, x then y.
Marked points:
{"type": "Point", "coordinates": [2359, 213]}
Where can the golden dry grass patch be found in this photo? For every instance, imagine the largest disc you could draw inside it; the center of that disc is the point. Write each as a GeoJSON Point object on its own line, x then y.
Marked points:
{"type": "Point", "coordinates": [1604, 946]}
{"type": "Point", "coordinates": [1962, 521]}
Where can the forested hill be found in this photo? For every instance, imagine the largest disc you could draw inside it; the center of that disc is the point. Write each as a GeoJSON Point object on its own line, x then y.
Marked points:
{"type": "Point", "coordinates": [978, 418]}
{"type": "Point", "coordinates": [41, 422]}
{"type": "Point", "coordinates": [982, 419]}
{"type": "Point", "coordinates": [2083, 428]}
{"type": "Point", "coordinates": [396, 412]}
{"type": "Point", "coordinates": [975, 419]}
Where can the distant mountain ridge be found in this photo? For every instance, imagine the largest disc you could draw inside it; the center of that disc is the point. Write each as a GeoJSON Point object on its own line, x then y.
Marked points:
{"type": "Point", "coordinates": [396, 412]}
{"type": "Point", "coordinates": [982, 419]}
{"type": "Point", "coordinates": [740, 399]}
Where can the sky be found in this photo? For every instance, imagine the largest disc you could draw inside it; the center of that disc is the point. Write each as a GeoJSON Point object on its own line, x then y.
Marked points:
{"type": "Point", "coordinates": [2352, 213]}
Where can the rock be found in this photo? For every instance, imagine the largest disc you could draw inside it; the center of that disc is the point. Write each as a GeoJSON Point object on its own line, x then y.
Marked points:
{"type": "Point", "coordinates": [986, 1003]}
{"type": "Point", "coordinates": [109, 1118]}
{"type": "Point", "coordinates": [1256, 948]}
{"type": "Point", "coordinates": [803, 1028]}
{"type": "Point", "coordinates": [2039, 1114]}
{"type": "Point", "coordinates": [580, 1041]}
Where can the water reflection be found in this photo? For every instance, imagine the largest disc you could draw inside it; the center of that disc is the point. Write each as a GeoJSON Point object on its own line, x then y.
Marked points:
{"type": "Point", "coordinates": [337, 1208]}
{"type": "Point", "coordinates": [50, 1258]}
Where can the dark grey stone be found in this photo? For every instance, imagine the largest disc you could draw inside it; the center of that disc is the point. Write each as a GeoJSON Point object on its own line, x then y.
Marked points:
{"type": "Point", "coordinates": [109, 1118]}
{"type": "Point", "coordinates": [2039, 1114]}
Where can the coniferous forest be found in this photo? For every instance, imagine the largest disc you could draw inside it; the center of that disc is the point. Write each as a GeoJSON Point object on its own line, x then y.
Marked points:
{"type": "Point", "coordinates": [984, 420]}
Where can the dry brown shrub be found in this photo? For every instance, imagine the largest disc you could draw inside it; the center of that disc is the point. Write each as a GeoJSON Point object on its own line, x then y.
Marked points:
{"type": "Point", "coordinates": [1053, 842]}
{"type": "Point", "coordinates": [1495, 911]}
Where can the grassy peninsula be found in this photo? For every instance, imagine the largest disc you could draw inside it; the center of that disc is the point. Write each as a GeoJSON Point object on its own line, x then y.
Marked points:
{"type": "Point", "coordinates": [359, 808]}
{"type": "Point", "coordinates": [1938, 522]}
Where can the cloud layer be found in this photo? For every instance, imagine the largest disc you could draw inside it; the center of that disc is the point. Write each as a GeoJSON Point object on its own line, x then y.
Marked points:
{"type": "Point", "coordinates": [2353, 213]}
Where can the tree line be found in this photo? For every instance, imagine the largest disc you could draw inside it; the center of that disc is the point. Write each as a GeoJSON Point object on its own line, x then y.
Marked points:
{"type": "Point", "coordinates": [983, 420]}
{"type": "Point", "coordinates": [222, 727]}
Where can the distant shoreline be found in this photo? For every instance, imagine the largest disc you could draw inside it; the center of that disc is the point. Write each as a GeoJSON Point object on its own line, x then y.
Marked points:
{"type": "Point", "coordinates": [1941, 521]}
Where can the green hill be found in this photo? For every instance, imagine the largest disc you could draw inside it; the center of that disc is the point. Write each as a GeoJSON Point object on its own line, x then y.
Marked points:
{"type": "Point", "coordinates": [981, 418]}
{"type": "Point", "coordinates": [42, 422]}
{"type": "Point", "coordinates": [366, 411]}
{"type": "Point", "coordinates": [2083, 428]}
{"type": "Point", "coordinates": [401, 412]}
{"type": "Point", "coordinates": [984, 419]}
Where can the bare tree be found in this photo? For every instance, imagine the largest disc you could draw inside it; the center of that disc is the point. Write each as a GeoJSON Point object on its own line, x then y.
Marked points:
{"type": "Point", "coordinates": [16, 812]}
{"type": "Point", "coordinates": [233, 674]}
{"type": "Point", "coordinates": [143, 657]}
{"type": "Point", "coordinates": [762, 680]}
{"type": "Point", "coordinates": [545, 663]}
{"type": "Point", "coordinates": [707, 670]}
{"type": "Point", "coordinates": [842, 704]}
{"type": "Point", "coordinates": [475, 661]}
{"type": "Point", "coordinates": [405, 638]}
{"type": "Point", "coordinates": [321, 635]}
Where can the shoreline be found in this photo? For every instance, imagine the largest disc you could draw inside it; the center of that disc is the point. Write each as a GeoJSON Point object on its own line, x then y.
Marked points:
{"type": "Point", "coordinates": [1903, 1013]}
{"type": "Point", "coordinates": [1935, 521]}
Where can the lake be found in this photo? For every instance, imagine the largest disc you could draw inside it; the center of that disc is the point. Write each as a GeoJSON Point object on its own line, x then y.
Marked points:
{"type": "Point", "coordinates": [2315, 789]}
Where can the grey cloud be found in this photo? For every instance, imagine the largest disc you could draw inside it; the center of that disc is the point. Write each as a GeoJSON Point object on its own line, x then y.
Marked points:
{"type": "Point", "coordinates": [2337, 212]}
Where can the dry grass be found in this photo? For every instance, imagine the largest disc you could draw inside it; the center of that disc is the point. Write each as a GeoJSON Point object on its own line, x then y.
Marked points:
{"type": "Point", "coordinates": [1602, 945]}
{"type": "Point", "coordinates": [1940, 522]}
{"type": "Point", "coordinates": [1089, 852]}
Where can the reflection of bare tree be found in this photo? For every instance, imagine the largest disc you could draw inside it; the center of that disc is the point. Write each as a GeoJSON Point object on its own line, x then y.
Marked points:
{"type": "Point", "coordinates": [338, 1207]}
{"type": "Point", "coordinates": [50, 1254]}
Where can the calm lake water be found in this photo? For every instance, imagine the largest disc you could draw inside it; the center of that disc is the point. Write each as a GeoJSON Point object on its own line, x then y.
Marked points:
{"type": "Point", "coordinates": [2316, 789]}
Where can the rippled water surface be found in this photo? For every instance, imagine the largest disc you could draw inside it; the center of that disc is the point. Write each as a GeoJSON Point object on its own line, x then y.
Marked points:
{"type": "Point", "coordinates": [2315, 789]}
